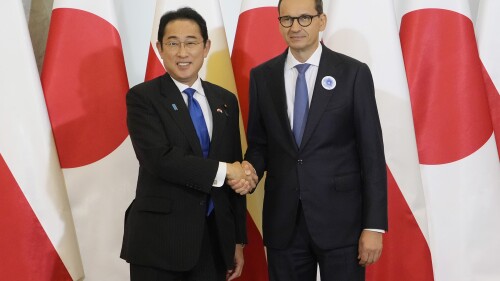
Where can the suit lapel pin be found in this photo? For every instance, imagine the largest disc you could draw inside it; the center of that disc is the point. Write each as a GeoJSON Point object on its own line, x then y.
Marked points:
{"type": "Point", "coordinates": [223, 110]}
{"type": "Point", "coordinates": [174, 106]}
{"type": "Point", "coordinates": [328, 82]}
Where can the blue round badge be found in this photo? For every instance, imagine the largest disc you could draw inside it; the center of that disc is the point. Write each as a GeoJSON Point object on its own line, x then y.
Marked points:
{"type": "Point", "coordinates": [328, 82]}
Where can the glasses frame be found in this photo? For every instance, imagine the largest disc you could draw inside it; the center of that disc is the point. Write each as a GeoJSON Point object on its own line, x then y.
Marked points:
{"type": "Point", "coordinates": [311, 17]}
{"type": "Point", "coordinates": [176, 48]}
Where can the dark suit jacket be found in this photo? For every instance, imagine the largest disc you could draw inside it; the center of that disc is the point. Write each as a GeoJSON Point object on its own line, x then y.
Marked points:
{"type": "Point", "coordinates": [165, 222]}
{"type": "Point", "coordinates": [339, 171]}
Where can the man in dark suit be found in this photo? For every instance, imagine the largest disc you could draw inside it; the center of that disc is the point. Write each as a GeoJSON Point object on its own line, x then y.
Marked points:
{"type": "Point", "coordinates": [185, 223]}
{"type": "Point", "coordinates": [314, 127]}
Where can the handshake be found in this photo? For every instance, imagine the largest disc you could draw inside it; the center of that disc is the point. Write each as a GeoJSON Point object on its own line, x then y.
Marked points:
{"type": "Point", "coordinates": [241, 177]}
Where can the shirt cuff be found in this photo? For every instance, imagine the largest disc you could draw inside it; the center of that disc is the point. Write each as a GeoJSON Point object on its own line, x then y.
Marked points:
{"type": "Point", "coordinates": [375, 230]}
{"type": "Point", "coordinates": [220, 177]}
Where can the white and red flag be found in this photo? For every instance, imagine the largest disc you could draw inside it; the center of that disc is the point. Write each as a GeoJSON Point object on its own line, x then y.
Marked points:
{"type": "Point", "coordinates": [37, 235]}
{"type": "Point", "coordinates": [257, 40]}
{"type": "Point", "coordinates": [457, 199]}
{"type": "Point", "coordinates": [85, 82]}
{"type": "Point", "coordinates": [454, 132]}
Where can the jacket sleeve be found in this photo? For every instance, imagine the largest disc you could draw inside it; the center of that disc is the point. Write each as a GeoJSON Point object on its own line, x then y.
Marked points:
{"type": "Point", "coordinates": [371, 150]}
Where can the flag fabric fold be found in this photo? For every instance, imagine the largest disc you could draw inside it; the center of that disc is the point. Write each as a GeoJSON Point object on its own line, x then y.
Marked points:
{"type": "Point", "coordinates": [37, 234]}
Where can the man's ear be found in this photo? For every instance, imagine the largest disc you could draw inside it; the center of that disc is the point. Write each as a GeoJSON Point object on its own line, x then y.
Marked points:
{"type": "Point", "coordinates": [323, 20]}
{"type": "Point", "coordinates": [207, 48]}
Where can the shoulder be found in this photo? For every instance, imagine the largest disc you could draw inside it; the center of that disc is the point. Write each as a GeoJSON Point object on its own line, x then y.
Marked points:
{"type": "Point", "coordinates": [221, 92]}
{"type": "Point", "coordinates": [269, 65]}
{"type": "Point", "coordinates": [335, 58]}
{"type": "Point", "coordinates": [146, 88]}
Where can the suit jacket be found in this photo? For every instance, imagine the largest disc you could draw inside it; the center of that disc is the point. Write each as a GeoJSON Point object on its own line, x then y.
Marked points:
{"type": "Point", "coordinates": [164, 224]}
{"type": "Point", "coordinates": [338, 172]}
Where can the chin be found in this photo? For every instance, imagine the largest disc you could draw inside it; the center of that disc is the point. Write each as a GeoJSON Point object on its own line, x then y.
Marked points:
{"type": "Point", "coordinates": [297, 46]}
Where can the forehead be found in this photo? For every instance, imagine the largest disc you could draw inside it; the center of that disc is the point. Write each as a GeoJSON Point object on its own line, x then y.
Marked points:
{"type": "Point", "coordinates": [182, 28]}
{"type": "Point", "coordinates": [297, 7]}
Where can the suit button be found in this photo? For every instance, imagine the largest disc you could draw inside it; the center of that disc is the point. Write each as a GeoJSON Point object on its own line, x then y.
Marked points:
{"type": "Point", "coordinates": [299, 162]}
{"type": "Point", "coordinates": [202, 203]}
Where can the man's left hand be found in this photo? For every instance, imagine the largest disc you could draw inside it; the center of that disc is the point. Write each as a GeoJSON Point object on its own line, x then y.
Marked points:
{"type": "Point", "coordinates": [370, 247]}
{"type": "Point", "coordinates": [239, 260]}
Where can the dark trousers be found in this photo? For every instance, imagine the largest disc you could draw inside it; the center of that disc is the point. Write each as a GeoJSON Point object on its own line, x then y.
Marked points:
{"type": "Point", "coordinates": [299, 261]}
{"type": "Point", "coordinates": [210, 266]}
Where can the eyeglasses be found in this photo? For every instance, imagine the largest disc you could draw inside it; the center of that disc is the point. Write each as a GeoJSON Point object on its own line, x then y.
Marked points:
{"type": "Point", "coordinates": [303, 20]}
{"type": "Point", "coordinates": [176, 45]}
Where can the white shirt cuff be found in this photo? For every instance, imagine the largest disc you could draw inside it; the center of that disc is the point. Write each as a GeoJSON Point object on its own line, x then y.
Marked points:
{"type": "Point", "coordinates": [220, 177]}
{"type": "Point", "coordinates": [375, 230]}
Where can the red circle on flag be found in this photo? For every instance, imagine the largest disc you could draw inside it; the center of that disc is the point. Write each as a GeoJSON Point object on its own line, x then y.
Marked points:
{"type": "Point", "coordinates": [447, 90]}
{"type": "Point", "coordinates": [84, 82]}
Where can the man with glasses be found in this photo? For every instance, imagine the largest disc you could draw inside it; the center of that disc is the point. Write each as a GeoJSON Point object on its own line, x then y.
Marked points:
{"type": "Point", "coordinates": [185, 223]}
{"type": "Point", "coordinates": [314, 127]}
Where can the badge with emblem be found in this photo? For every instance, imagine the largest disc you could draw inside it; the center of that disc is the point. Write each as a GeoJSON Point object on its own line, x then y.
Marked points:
{"type": "Point", "coordinates": [328, 83]}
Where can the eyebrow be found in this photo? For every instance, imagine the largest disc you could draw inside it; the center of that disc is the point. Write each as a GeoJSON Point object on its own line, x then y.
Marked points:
{"type": "Point", "coordinates": [305, 14]}
{"type": "Point", "coordinates": [176, 37]}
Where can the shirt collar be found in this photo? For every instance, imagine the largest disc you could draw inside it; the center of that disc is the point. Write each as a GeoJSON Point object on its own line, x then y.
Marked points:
{"type": "Point", "coordinates": [291, 61]}
{"type": "Point", "coordinates": [196, 85]}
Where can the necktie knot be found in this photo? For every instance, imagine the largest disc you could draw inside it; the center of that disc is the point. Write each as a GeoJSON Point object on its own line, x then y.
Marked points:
{"type": "Point", "coordinates": [302, 68]}
{"type": "Point", "coordinates": [190, 92]}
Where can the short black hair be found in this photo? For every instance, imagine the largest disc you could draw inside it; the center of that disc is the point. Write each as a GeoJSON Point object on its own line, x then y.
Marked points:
{"type": "Point", "coordinates": [318, 4]}
{"type": "Point", "coordinates": [185, 13]}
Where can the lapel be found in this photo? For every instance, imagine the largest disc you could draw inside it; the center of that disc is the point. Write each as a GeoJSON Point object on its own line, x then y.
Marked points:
{"type": "Point", "coordinates": [278, 94]}
{"type": "Point", "coordinates": [329, 65]}
{"type": "Point", "coordinates": [177, 108]}
{"type": "Point", "coordinates": [219, 115]}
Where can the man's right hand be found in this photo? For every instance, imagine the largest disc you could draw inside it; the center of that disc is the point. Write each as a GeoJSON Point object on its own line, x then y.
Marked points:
{"type": "Point", "coordinates": [241, 177]}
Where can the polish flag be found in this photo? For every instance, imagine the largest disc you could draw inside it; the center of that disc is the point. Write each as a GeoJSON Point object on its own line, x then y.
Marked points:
{"type": "Point", "coordinates": [257, 40]}
{"type": "Point", "coordinates": [37, 235]}
{"type": "Point", "coordinates": [454, 132]}
{"type": "Point", "coordinates": [369, 32]}
{"type": "Point", "coordinates": [85, 83]}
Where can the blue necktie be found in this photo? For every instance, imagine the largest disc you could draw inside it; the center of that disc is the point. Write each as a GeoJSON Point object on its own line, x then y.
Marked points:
{"type": "Point", "coordinates": [201, 130]}
{"type": "Point", "coordinates": [301, 104]}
